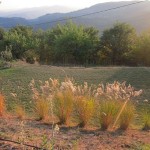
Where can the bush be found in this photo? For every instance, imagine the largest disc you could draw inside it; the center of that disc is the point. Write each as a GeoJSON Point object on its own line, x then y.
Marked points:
{"type": "Point", "coordinates": [84, 110]}
{"type": "Point", "coordinates": [2, 105]}
{"type": "Point", "coordinates": [6, 55]}
{"type": "Point", "coordinates": [108, 110]}
{"type": "Point", "coordinates": [30, 56]}
{"type": "Point", "coordinates": [127, 116]}
{"type": "Point", "coordinates": [4, 64]}
{"type": "Point", "coordinates": [63, 106]}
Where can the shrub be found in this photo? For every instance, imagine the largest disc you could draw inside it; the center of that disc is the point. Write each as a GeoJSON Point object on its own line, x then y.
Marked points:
{"type": "Point", "coordinates": [108, 111]}
{"type": "Point", "coordinates": [127, 116]}
{"type": "Point", "coordinates": [63, 106]}
{"type": "Point", "coordinates": [2, 105]}
{"type": "Point", "coordinates": [4, 64]}
{"type": "Point", "coordinates": [7, 54]}
{"type": "Point", "coordinates": [84, 110]}
{"type": "Point", "coordinates": [146, 120]}
{"type": "Point", "coordinates": [30, 56]}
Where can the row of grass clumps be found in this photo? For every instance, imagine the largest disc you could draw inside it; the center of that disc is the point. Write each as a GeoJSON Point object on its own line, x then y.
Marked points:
{"type": "Point", "coordinates": [106, 106]}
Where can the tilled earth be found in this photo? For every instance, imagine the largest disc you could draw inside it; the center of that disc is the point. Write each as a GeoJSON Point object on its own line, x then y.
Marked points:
{"type": "Point", "coordinates": [39, 135]}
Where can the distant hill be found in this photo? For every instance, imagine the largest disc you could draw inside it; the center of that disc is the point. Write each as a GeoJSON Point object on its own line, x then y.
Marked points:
{"type": "Point", "coordinates": [32, 13]}
{"type": "Point", "coordinates": [136, 15]}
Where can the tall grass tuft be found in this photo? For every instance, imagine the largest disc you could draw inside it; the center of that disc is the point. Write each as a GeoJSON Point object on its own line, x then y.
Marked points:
{"type": "Point", "coordinates": [63, 106]}
{"type": "Point", "coordinates": [84, 110]}
{"type": "Point", "coordinates": [2, 105]}
{"type": "Point", "coordinates": [146, 120]}
{"type": "Point", "coordinates": [20, 112]}
{"type": "Point", "coordinates": [127, 116]}
{"type": "Point", "coordinates": [41, 108]}
{"type": "Point", "coordinates": [108, 111]}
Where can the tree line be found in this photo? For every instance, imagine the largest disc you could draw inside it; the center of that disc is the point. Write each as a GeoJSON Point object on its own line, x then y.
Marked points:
{"type": "Point", "coordinates": [72, 44]}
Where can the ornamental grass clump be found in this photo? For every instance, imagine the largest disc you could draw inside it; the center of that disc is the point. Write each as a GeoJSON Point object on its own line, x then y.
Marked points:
{"type": "Point", "coordinates": [116, 92]}
{"type": "Point", "coordinates": [146, 120]}
{"type": "Point", "coordinates": [63, 106]}
{"type": "Point", "coordinates": [84, 110]}
{"type": "Point", "coordinates": [20, 112]}
{"type": "Point", "coordinates": [42, 98]}
{"type": "Point", "coordinates": [108, 111]}
{"type": "Point", "coordinates": [126, 116]}
{"type": "Point", "coordinates": [2, 105]}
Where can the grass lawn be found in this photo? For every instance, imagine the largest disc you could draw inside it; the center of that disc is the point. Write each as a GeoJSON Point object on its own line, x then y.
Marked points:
{"type": "Point", "coordinates": [17, 79]}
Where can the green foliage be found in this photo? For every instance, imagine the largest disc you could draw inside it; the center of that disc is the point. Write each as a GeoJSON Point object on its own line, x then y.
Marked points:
{"type": "Point", "coordinates": [21, 39]}
{"type": "Point", "coordinates": [116, 43]}
{"type": "Point", "coordinates": [70, 43]}
{"type": "Point", "coordinates": [7, 54]}
{"type": "Point", "coordinates": [30, 56]}
{"type": "Point", "coordinates": [141, 52]}
{"type": "Point", "coordinates": [1, 33]}
{"type": "Point", "coordinates": [76, 44]}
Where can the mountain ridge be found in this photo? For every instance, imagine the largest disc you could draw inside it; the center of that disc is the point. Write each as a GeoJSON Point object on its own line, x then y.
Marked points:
{"type": "Point", "coordinates": [136, 15]}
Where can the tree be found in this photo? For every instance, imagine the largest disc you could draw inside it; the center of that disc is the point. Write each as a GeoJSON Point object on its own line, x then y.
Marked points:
{"type": "Point", "coordinates": [21, 39]}
{"type": "Point", "coordinates": [141, 53]}
{"type": "Point", "coordinates": [116, 43]}
{"type": "Point", "coordinates": [76, 44]}
{"type": "Point", "coordinates": [2, 45]}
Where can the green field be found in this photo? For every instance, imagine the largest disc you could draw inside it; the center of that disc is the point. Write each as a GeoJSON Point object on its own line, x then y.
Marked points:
{"type": "Point", "coordinates": [17, 79]}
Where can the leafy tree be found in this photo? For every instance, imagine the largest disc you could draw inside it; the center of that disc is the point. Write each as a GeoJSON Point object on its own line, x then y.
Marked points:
{"type": "Point", "coordinates": [21, 39]}
{"type": "Point", "coordinates": [75, 44]}
{"type": "Point", "coordinates": [2, 44]}
{"type": "Point", "coordinates": [141, 53]}
{"type": "Point", "coordinates": [116, 43]}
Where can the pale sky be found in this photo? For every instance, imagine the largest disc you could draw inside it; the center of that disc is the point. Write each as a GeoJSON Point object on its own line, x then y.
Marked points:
{"type": "Point", "coordinates": [20, 4]}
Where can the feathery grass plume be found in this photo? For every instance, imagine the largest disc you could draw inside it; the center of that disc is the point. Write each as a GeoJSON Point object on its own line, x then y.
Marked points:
{"type": "Point", "coordinates": [41, 99]}
{"type": "Point", "coordinates": [63, 105]}
{"type": "Point", "coordinates": [108, 111]}
{"type": "Point", "coordinates": [85, 90]}
{"type": "Point", "coordinates": [127, 116]}
{"type": "Point", "coordinates": [2, 105]}
{"type": "Point", "coordinates": [116, 91]}
{"type": "Point", "coordinates": [20, 112]}
{"type": "Point", "coordinates": [84, 110]}
{"type": "Point", "coordinates": [146, 120]}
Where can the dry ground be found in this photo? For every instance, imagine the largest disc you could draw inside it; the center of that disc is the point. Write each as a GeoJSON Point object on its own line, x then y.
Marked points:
{"type": "Point", "coordinates": [69, 138]}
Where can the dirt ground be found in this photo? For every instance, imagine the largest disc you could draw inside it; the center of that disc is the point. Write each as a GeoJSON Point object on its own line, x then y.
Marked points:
{"type": "Point", "coordinates": [39, 134]}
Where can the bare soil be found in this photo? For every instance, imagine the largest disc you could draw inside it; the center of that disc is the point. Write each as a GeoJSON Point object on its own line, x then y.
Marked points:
{"type": "Point", "coordinates": [36, 133]}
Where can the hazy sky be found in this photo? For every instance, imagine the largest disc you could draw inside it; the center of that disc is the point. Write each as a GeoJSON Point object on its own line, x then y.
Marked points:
{"type": "Point", "coordinates": [19, 4]}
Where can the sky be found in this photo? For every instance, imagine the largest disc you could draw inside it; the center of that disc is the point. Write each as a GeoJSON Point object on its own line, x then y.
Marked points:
{"type": "Point", "coordinates": [7, 5]}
